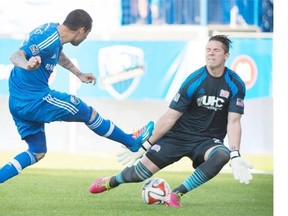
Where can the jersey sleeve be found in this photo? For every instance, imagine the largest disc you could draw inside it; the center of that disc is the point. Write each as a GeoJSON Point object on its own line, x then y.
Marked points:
{"type": "Point", "coordinates": [237, 100]}
{"type": "Point", "coordinates": [182, 100]}
{"type": "Point", "coordinates": [40, 42]}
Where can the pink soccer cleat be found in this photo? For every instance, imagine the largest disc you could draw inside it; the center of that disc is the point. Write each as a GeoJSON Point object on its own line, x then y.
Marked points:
{"type": "Point", "coordinates": [172, 200]}
{"type": "Point", "coordinates": [100, 185]}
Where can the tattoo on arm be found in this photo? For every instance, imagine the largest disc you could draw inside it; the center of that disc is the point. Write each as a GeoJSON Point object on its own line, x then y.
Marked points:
{"type": "Point", "coordinates": [68, 64]}
{"type": "Point", "coordinates": [18, 59]}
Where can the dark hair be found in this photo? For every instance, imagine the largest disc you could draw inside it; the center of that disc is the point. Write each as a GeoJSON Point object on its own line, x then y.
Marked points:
{"type": "Point", "coordinates": [77, 19]}
{"type": "Point", "coordinates": [227, 43]}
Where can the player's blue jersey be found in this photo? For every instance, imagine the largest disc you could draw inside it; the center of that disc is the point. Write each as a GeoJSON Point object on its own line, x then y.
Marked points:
{"type": "Point", "coordinates": [32, 103]}
{"type": "Point", "coordinates": [43, 41]}
{"type": "Point", "coordinates": [205, 102]}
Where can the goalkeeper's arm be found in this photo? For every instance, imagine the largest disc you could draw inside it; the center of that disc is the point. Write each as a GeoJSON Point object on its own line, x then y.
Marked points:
{"type": "Point", "coordinates": [239, 166]}
{"type": "Point", "coordinates": [162, 126]}
{"type": "Point", "coordinates": [128, 158]}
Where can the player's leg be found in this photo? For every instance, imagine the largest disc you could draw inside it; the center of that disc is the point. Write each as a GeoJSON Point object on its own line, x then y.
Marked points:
{"type": "Point", "coordinates": [69, 108]}
{"type": "Point", "coordinates": [106, 128]}
{"type": "Point", "coordinates": [153, 161]}
{"type": "Point", "coordinates": [217, 157]}
{"type": "Point", "coordinates": [133, 174]}
{"type": "Point", "coordinates": [35, 152]}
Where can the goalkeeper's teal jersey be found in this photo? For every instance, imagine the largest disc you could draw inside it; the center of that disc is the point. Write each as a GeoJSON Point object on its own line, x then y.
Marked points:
{"type": "Point", "coordinates": [205, 102]}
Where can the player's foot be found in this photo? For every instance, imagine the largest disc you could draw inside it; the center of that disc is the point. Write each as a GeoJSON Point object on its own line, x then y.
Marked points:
{"type": "Point", "coordinates": [141, 136]}
{"type": "Point", "coordinates": [172, 200]}
{"type": "Point", "coordinates": [100, 185]}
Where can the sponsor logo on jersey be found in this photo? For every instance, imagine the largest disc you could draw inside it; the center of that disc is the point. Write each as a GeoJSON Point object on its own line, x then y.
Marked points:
{"type": "Point", "coordinates": [210, 102]}
{"type": "Point", "coordinates": [121, 68]}
{"type": "Point", "coordinates": [49, 67]}
{"type": "Point", "coordinates": [34, 49]}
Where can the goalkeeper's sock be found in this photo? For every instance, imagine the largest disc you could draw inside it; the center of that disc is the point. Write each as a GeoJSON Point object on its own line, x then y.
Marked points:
{"type": "Point", "coordinates": [16, 165]}
{"type": "Point", "coordinates": [208, 169]}
{"type": "Point", "coordinates": [136, 173]}
{"type": "Point", "coordinates": [106, 128]}
{"type": "Point", "coordinates": [196, 179]}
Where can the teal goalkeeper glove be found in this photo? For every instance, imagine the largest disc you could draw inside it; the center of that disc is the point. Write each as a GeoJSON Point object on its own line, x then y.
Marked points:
{"type": "Point", "coordinates": [240, 168]}
{"type": "Point", "coordinates": [128, 158]}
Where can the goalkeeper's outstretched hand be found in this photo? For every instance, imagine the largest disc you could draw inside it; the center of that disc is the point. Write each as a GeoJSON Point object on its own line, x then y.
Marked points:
{"type": "Point", "coordinates": [128, 158]}
{"type": "Point", "coordinates": [240, 168]}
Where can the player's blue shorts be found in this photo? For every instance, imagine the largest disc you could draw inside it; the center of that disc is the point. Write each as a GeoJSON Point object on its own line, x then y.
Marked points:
{"type": "Point", "coordinates": [164, 152]}
{"type": "Point", "coordinates": [30, 116]}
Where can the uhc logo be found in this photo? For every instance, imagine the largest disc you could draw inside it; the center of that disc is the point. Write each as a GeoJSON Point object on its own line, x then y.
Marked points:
{"type": "Point", "coordinates": [121, 68]}
{"type": "Point", "coordinates": [210, 102]}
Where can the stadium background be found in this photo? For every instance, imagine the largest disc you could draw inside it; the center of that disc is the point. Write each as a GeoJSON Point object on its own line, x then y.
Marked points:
{"type": "Point", "coordinates": [140, 51]}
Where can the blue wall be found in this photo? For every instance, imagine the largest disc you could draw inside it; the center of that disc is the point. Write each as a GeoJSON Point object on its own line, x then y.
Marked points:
{"type": "Point", "coordinates": [144, 69]}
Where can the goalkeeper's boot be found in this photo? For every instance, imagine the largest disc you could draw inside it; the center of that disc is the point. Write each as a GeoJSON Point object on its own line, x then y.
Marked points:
{"type": "Point", "coordinates": [173, 200]}
{"type": "Point", "coordinates": [141, 136]}
{"type": "Point", "coordinates": [100, 185]}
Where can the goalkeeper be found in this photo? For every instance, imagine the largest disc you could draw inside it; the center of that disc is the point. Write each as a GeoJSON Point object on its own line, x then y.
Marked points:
{"type": "Point", "coordinates": [207, 107]}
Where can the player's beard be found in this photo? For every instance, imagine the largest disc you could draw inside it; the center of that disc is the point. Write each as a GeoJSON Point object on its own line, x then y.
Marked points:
{"type": "Point", "coordinates": [75, 43]}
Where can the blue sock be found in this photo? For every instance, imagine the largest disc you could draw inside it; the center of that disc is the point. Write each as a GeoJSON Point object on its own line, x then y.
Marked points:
{"type": "Point", "coordinates": [16, 165]}
{"type": "Point", "coordinates": [196, 179]}
{"type": "Point", "coordinates": [107, 129]}
{"type": "Point", "coordinates": [119, 178]}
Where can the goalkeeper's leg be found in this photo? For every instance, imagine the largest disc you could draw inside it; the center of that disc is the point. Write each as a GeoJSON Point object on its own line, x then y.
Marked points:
{"type": "Point", "coordinates": [136, 173]}
{"type": "Point", "coordinates": [206, 171]}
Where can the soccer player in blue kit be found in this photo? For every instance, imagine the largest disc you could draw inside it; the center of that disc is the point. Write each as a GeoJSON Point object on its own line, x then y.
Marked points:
{"type": "Point", "coordinates": [208, 105]}
{"type": "Point", "coordinates": [32, 103]}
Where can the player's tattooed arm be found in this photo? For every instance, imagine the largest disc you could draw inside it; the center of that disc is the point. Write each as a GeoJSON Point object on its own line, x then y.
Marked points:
{"type": "Point", "coordinates": [66, 63]}
{"type": "Point", "coordinates": [18, 59]}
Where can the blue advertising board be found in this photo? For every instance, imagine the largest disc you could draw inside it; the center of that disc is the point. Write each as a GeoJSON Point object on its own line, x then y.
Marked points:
{"type": "Point", "coordinates": [146, 69]}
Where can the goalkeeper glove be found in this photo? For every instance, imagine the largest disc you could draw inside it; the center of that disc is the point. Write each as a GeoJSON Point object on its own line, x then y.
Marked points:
{"type": "Point", "coordinates": [240, 168]}
{"type": "Point", "coordinates": [128, 158]}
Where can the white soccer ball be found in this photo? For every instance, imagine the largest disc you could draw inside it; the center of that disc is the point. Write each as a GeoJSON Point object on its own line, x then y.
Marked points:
{"type": "Point", "coordinates": [154, 191]}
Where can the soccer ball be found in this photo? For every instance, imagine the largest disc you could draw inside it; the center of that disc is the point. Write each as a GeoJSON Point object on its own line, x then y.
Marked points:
{"type": "Point", "coordinates": [154, 191]}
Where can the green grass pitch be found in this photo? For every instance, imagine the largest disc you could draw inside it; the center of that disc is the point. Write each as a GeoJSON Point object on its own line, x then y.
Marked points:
{"type": "Point", "coordinates": [65, 192]}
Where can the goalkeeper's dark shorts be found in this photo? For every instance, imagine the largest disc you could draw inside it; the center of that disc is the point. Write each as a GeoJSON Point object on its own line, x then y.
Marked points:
{"type": "Point", "coordinates": [164, 153]}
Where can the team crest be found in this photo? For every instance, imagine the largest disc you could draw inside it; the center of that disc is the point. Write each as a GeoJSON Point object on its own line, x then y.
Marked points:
{"type": "Point", "coordinates": [74, 100]}
{"type": "Point", "coordinates": [121, 68]}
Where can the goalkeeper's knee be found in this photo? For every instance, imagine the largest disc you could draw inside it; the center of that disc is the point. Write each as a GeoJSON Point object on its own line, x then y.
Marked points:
{"type": "Point", "coordinates": [136, 173]}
